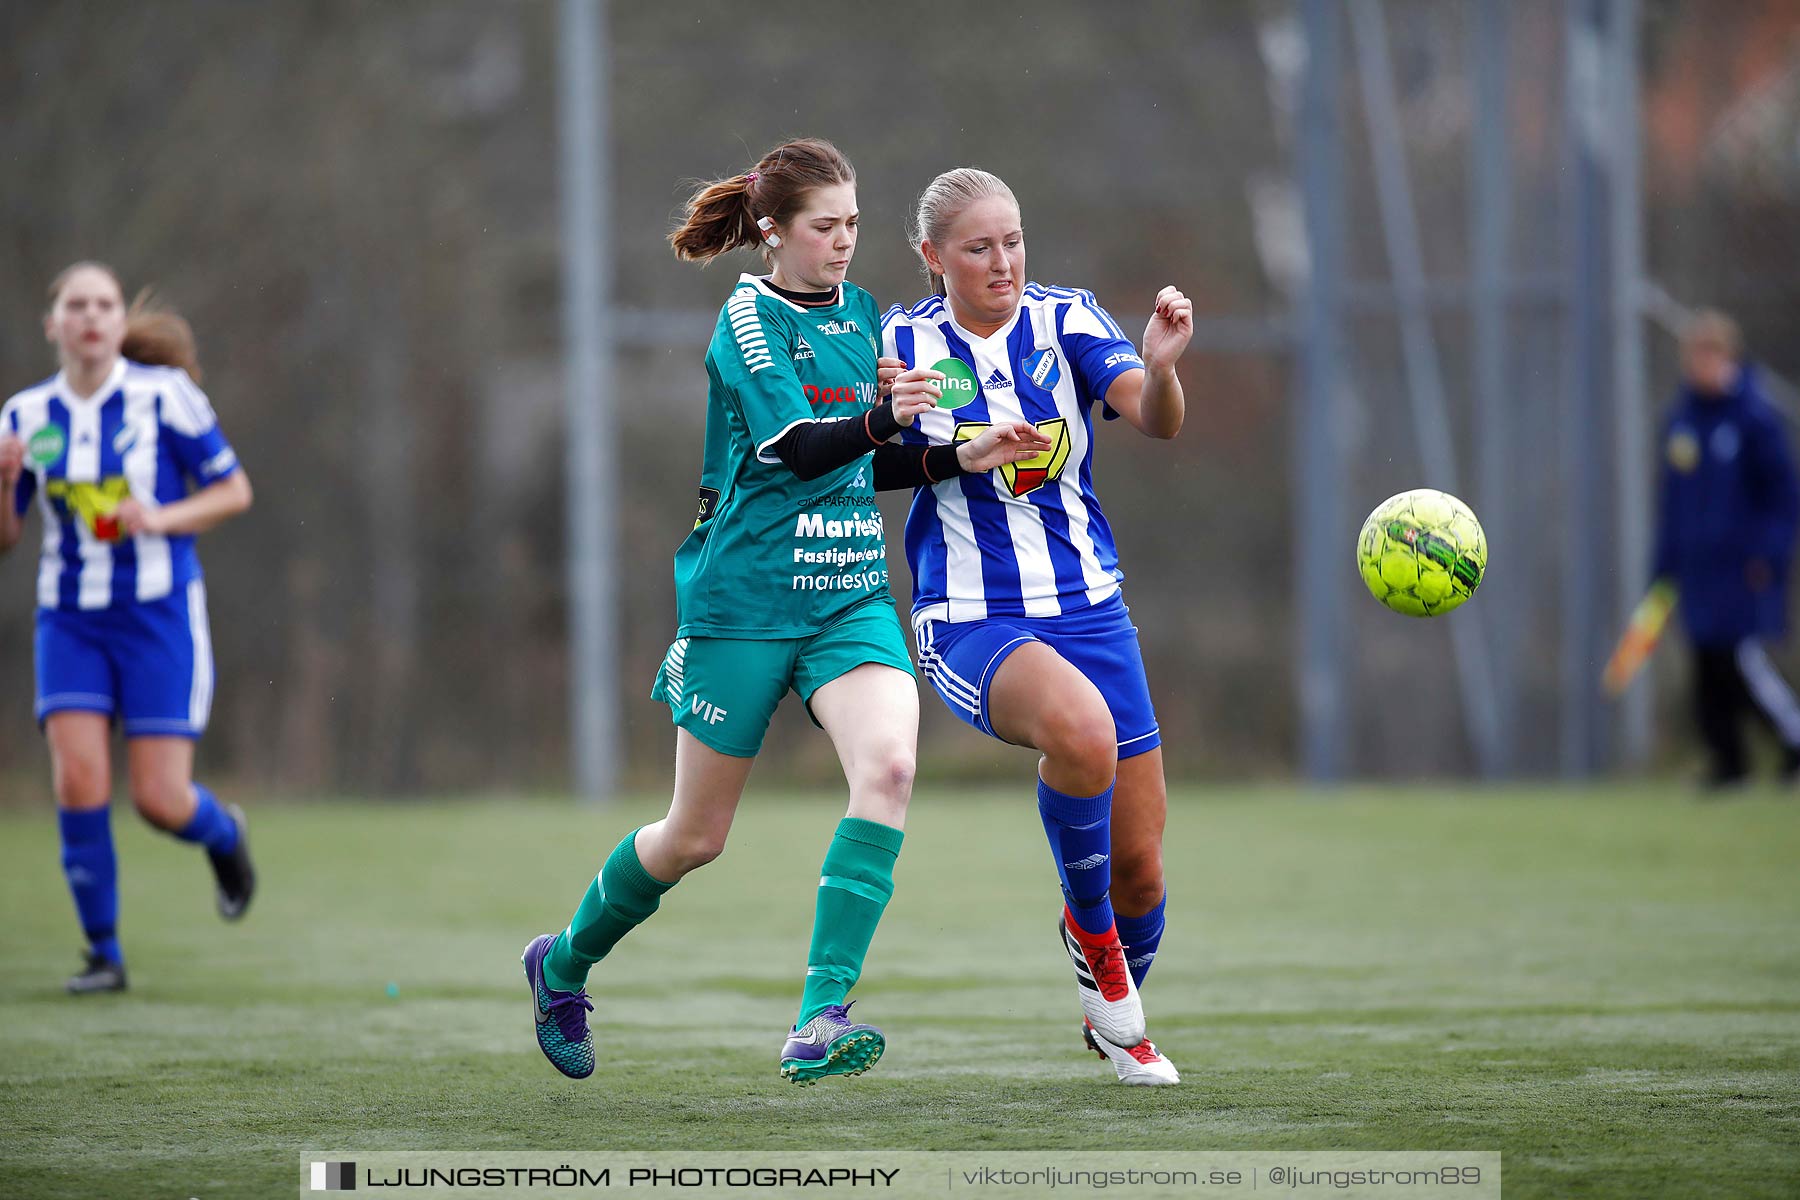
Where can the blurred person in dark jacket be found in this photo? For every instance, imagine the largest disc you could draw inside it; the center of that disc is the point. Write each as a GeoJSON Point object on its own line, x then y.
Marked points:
{"type": "Point", "coordinates": [1725, 538]}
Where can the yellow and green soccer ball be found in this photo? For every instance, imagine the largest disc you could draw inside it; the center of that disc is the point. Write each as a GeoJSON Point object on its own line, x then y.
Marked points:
{"type": "Point", "coordinates": [1422, 552]}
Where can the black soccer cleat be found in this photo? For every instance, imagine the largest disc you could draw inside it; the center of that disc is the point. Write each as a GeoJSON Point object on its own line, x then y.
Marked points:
{"type": "Point", "coordinates": [101, 974]}
{"type": "Point", "coordinates": [235, 874]}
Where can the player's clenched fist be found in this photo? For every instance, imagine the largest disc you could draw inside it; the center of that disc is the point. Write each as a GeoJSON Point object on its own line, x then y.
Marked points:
{"type": "Point", "coordinates": [1170, 328]}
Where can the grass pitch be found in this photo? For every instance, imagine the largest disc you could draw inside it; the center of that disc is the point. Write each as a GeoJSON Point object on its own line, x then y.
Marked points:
{"type": "Point", "coordinates": [1603, 985]}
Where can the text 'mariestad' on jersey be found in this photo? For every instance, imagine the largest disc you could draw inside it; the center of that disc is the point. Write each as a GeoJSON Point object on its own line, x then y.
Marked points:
{"type": "Point", "coordinates": [146, 433]}
{"type": "Point", "coordinates": [1027, 539]}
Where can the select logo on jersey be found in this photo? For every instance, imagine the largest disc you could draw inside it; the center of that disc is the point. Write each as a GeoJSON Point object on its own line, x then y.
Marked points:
{"type": "Point", "coordinates": [1028, 475]}
{"type": "Point", "coordinates": [959, 387]}
{"type": "Point", "coordinates": [801, 349]}
{"type": "Point", "coordinates": [47, 445]}
{"type": "Point", "coordinates": [996, 381]}
{"type": "Point", "coordinates": [1042, 369]}
{"type": "Point", "coordinates": [96, 504]}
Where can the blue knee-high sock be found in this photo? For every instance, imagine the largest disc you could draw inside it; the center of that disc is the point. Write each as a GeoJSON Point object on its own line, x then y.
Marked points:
{"type": "Point", "coordinates": [1080, 833]}
{"type": "Point", "coordinates": [1141, 936]}
{"type": "Point", "coordinates": [93, 874]}
{"type": "Point", "coordinates": [211, 825]}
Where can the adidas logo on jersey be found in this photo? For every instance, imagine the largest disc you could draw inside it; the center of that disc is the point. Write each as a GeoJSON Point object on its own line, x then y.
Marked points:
{"type": "Point", "coordinates": [996, 381]}
{"type": "Point", "coordinates": [802, 350]}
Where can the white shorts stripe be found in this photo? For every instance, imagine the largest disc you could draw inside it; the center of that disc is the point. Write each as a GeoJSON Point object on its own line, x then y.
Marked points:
{"type": "Point", "coordinates": [932, 668]}
{"type": "Point", "coordinates": [200, 693]}
{"type": "Point", "coordinates": [1770, 690]}
{"type": "Point", "coordinates": [950, 681]}
{"type": "Point", "coordinates": [942, 673]}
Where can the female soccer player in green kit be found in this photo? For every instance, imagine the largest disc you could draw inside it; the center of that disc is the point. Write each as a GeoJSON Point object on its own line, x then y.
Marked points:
{"type": "Point", "coordinates": [781, 584]}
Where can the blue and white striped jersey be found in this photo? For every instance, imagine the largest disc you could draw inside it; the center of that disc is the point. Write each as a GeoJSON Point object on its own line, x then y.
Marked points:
{"type": "Point", "coordinates": [146, 433]}
{"type": "Point", "coordinates": [1027, 539]}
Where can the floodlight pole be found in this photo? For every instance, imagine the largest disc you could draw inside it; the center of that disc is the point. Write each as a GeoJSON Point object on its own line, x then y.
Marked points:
{"type": "Point", "coordinates": [1321, 531]}
{"type": "Point", "coordinates": [1587, 331]}
{"type": "Point", "coordinates": [1631, 405]}
{"type": "Point", "coordinates": [1490, 195]}
{"type": "Point", "coordinates": [1418, 348]}
{"type": "Point", "coordinates": [590, 505]}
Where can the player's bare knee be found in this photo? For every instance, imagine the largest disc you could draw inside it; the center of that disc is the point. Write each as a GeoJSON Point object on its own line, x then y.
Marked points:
{"type": "Point", "coordinates": [80, 783]}
{"type": "Point", "coordinates": [882, 771]}
{"type": "Point", "coordinates": [891, 774]}
{"type": "Point", "coordinates": [164, 803]}
{"type": "Point", "coordinates": [1081, 741]}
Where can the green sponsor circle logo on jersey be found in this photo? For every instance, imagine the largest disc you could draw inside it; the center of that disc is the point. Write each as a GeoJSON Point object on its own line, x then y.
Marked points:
{"type": "Point", "coordinates": [959, 386]}
{"type": "Point", "coordinates": [46, 445]}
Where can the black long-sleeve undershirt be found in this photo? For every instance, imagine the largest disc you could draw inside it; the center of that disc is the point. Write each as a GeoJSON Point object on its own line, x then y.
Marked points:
{"type": "Point", "coordinates": [898, 466]}
{"type": "Point", "coordinates": [818, 447]}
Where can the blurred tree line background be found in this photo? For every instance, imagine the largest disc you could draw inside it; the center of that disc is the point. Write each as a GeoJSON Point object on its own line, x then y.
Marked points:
{"type": "Point", "coordinates": [356, 206]}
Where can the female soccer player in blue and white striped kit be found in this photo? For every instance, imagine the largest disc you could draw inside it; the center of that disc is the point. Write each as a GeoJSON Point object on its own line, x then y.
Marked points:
{"type": "Point", "coordinates": [1020, 622]}
{"type": "Point", "coordinates": [109, 445]}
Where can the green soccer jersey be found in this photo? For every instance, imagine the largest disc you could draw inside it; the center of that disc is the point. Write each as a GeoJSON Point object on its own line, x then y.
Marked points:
{"type": "Point", "coordinates": [773, 555]}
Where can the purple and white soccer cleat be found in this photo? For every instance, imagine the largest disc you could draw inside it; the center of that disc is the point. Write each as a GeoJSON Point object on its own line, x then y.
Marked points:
{"type": "Point", "coordinates": [831, 1045]}
{"type": "Point", "coordinates": [562, 1030]}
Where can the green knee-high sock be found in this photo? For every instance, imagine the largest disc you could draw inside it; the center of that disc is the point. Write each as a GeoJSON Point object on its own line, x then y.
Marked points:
{"type": "Point", "coordinates": [618, 900]}
{"type": "Point", "coordinates": [854, 886]}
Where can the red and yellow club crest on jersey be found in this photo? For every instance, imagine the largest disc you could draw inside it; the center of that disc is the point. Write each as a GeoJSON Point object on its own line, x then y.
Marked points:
{"type": "Point", "coordinates": [1028, 475]}
{"type": "Point", "coordinates": [95, 504]}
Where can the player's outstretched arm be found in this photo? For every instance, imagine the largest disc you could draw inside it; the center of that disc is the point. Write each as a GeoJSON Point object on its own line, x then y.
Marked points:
{"type": "Point", "coordinates": [195, 514]}
{"type": "Point", "coordinates": [910, 467]}
{"type": "Point", "coordinates": [1151, 399]}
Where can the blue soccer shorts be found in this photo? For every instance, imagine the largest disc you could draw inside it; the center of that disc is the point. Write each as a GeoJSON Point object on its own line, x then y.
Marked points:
{"type": "Point", "coordinates": [148, 665]}
{"type": "Point", "coordinates": [961, 659]}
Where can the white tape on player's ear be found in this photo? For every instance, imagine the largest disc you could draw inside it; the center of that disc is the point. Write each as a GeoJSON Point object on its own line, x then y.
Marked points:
{"type": "Point", "coordinates": [768, 231]}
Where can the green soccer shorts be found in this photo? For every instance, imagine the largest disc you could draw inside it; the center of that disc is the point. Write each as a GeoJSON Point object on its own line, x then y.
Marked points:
{"type": "Point", "coordinates": [725, 691]}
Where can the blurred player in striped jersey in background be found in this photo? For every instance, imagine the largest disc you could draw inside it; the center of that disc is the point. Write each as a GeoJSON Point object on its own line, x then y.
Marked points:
{"type": "Point", "coordinates": [127, 462]}
{"type": "Point", "coordinates": [1020, 623]}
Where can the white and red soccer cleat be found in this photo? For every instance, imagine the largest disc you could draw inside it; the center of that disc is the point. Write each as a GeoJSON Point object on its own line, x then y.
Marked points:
{"type": "Point", "coordinates": [1108, 996]}
{"type": "Point", "coordinates": [1142, 1065]}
